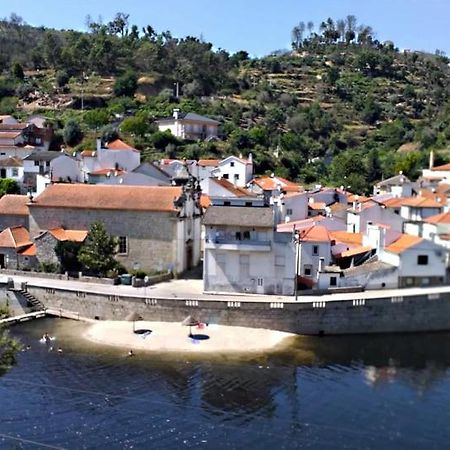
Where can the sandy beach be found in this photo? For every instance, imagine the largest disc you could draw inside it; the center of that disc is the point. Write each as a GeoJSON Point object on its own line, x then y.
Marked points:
{"type": "Point", "coordinates": [173, 337]}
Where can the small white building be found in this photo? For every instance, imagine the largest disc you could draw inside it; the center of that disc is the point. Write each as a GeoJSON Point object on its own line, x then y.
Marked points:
{"type": "Point", "coordinates": [397, 186]}
{"type": "Point", "coordinates": [190, 126]}
{"type": "Point", "coordinates": [243, 253]}
{"type": "Point", "coordinates": [236, 170]}
{"type": "Point", "coordinates": [12, 168]}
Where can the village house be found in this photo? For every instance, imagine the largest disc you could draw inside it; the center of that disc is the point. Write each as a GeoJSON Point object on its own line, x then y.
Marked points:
{"type": "Point", "coordinates": [12, 168]}
{"type": "Point", "coordinates": [16, 248]}
{"type": "Point", "coordinates": [158, 228]}
{"type": "Point", "coordinates": [397, 186]}
{"type": "Point", "coordinates": [236, 170]}
{"type": "Point", "coordinates": [14, 211]}
{"type": "Point", "coordinates": [243, 253]}
{"type": "Point", "coordinates": [190, 126]}
{"type": "Point", "coordinates": [269, 186]}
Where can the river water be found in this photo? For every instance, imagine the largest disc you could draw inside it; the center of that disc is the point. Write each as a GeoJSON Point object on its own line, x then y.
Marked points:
{"type": "Point", "coordinates": [347, 392]}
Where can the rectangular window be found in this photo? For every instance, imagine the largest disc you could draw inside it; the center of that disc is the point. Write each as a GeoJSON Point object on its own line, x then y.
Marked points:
{"type": "Point", "coordinates": [307, 270]}
{"type": "Point", "coordinates": [422, 260]}
{"type": "Point", "coordinates": [15, 172]}
{"type": "Point", "coordinates": [225, 175]}
{"type": "Point", "coordinates": [236, 176]}
{"type": "Point", "coordinates": [38, 141]}
{"type": "Point", "coordinates": [226, 203]}
{"type": "Point", "coordinates": [246, 235]}
{"type": "Point", "coordinates": [232, 163]}
{"type": "Point", "coordinates": [333, 281]}
{"type": "Point", "coordinates": [315, 250]}
{"type": "Point", "coordinates": [248, 203]}
{"type": "Point", "coordinates": [289, 212]}
{"type": "Point", "coordinates": [123, 245]}
{"type": "Point", "coordinates": [36, 163]}
{"type": "Point", "coordinates": [260, 281]}
{"type": "Point", "coordinates": [238, 235]}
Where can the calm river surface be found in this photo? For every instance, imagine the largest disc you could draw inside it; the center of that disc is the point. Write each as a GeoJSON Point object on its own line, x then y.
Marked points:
{"type": "Point", "coordinates": [354, 393]}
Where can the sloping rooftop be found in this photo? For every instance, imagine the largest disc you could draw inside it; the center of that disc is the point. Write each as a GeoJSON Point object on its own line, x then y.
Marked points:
{"type": "Point", "coordinates": [443, 168]}
{"type": "Point", "coordinates": [118, 144]}
{"type": "Point", "coordinates": [15, 237]}
{"type": "Point", "coordinates": [15, 205]}
{"type": "Point", "coordinates": [68, 235]}
{"type": "Point", "coordinates": [43, 156]}
{"type": "Point", "coordinates": [239, 216]}
{"type": "Point", "coordinates": [394, 181]}
{"type": "Point", "coordinates": [230, 187]}
{"type": "Point", "coordinates": [11, 162]}
{"type": "Point", "coordinates": [317, 233]}
{"type": "Point", "coordinates": [272, 183]}
{"type": "Point", "coordinates": [439, 218]}
{"type": "Point", "coordinates": [208, 162]}
{"type": "Point", "coordinates": [190, 116]}
{"type": "Point", "coordinates": [346, 237]}
{"type": "Point", "coordinates": [107, 172]}
{"type": "Point", "coordinates": [405, 242]}
{"type": "Point", "coordinates": [421, 202]}
{"type": "Point", "coordinates": [126, 198]}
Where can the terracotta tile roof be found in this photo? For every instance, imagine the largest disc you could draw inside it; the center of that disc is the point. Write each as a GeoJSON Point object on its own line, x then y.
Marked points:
{"type": "Point", "coordinates": [28, 251]}
{"type": "Point", "coordinates": [11, 162]}
{"type": "Point", "coordinates": [68, 235]}
{"type": "Point", "coordinates": [402, 244]}
{"type": "Point", "coordinates": [317, 233]}
{"type": "Point", "coordinates": [9, 134]}
{"type": "Point", "coordinates": [346, 237]}
{"type": "Point", "coordinates": [120, 145]}
{"type": "Point", "coordinates": [208, 162]}
{"type": "Point", "coordinates": [439, 196]}
{"type": "Point", "coordinates": [439, 218]}
{"type": "Point", "coordinates": [392, 202]}
{"type": "Point", "coordinates": [107, 172]}
{"type": "Point", "coordinates": [318, 206]}
{"type": "Point", "coordinates": [355, 251]}
{"type": "Point", "coordinates": [421, 202]}
{"type": "Point", "coordinates": [15, 237]}
{"type": "Point", "coordinates": [235, 190]}
{"type": "Point", "coordinates": [15, 205]}
{"type": "Point", "coordinates": [356, 198]}
{"type": "Point", "coordinates": [205, 201]}
{"type": "Point", "coordinates": [443, 168]}
{"type": "Point", "coordinates": [126, 198]}
{"type": "Point", "coordinates": [299, 224]}
{"type": "Point", "coordinates": [272, 183]}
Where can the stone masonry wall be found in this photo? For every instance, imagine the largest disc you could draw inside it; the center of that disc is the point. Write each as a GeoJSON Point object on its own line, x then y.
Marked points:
{"type": "Point", "coordinates": [358, 316]}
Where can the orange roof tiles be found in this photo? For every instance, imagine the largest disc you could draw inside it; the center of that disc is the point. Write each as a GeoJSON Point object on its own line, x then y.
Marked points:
{"type": "Point", "coordinates": [402, 244]}
{"type": "Point", "coordinates": [14, 237]}
{"type": "Point", "coordinates": [420, 202]}
{"type": "Point", "coordinates": [317, 233]}
{"type": "Point", "coordinates": [443, 168]}
{"type": "Point", "coordinates": [15, 205]}
{"type": "Point", "coordinates": [118, 144]}
{"type": "Point", "coordinates": [439, 218]}
{"type": "Point", "coordinates": [121, 198]}
{"type": "Point", "coordinates": [107, 172]}
{"type": "Point", "coordinates": [355, 251]}
{"type": "Point", "coordinates": [318, 206]}
{"type": "Point", "coordinates": [208, 162]}
{"type": "Point", "coordinates": [28, 251]}
{"type": "Point", "coordinates": [346, 237]}
{"type": "Point", "coordinates": [272, 183]}
{"type": "Point", "coordinates": [68, 235]}
{"type": "Point", "coordinates": [235, 190]}
{"type": "Point", "coordinates": [205, 201]}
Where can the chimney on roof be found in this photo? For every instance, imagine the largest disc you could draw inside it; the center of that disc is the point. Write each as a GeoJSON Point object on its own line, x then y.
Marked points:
{"type": "Point", "coordinates": [176, 113]}
{"type": "Point", "coordinates": [321, 264]}
{"type": "Point", "coordinates": [240, 155]}
{"type": "Point", "coordinates": [99, 144]}
{"type": "Point", "coordinates": [431, 159]}
{"type": "Point", "coordinates": [250, 158]}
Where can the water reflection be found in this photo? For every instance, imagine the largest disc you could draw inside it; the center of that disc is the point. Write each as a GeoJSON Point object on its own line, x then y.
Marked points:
{"type": "Point", "coordinates": [360, 392]}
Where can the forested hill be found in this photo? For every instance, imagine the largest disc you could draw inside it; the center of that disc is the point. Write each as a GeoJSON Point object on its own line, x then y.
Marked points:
{"type": "Point", "coordinates": [339, 107]}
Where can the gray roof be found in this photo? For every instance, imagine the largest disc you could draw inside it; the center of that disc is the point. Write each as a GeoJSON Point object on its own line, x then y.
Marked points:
{"type": "Point", "coordinates": [43, 156]}
{"type": "Point", "coordinates": [190, 116]}
{"type": "Point", "coordinates": [394, 181]}
{"type": "Point", "coordinates": [239, 216]}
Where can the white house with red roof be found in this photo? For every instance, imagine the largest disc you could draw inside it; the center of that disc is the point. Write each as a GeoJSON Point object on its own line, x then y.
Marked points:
{"type": "Point", "coordinates": [236, 170]}
{"type": "Point", "coordinates": [115, 155]}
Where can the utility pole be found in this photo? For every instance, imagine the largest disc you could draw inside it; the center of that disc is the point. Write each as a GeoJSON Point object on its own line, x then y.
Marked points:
{"type": "Point", "coordinates": [296, 238]}
{"type": "Point", "coordinates": [177, 89]}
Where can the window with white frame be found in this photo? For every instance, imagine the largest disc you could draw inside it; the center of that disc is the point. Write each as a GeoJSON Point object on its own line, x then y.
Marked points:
{"type": "Point", "coordinates": [15, 172]}
{"type": "Point", "coordinates": [122, 245]}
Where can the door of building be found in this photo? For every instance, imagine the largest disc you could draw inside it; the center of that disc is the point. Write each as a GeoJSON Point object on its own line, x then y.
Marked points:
{"type": "Point", "coordinates": [260, 286]}
{"type": "Point", "coordinates": [3, 173]}
{"type": "Point", "coordinates": [2, 261]}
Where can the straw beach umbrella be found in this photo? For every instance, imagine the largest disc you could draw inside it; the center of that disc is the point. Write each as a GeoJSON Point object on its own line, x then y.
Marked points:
{"type": "Point", "coordinates": [133, 317]}
{"type": "Point", "coordinates": [190, 321]}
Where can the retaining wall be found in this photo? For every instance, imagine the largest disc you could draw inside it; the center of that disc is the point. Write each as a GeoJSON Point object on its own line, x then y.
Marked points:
{"type": "Point", "coordinates": [381, 315]}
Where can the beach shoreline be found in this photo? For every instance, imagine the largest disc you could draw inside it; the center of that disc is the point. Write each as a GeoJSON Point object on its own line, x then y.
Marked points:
{"type": "Point", "coordinates": [172, 337]}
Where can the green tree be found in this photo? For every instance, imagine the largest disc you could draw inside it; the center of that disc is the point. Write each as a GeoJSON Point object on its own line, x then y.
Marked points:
{"type": "Point", "coordinates": [62, 78]}
{"type": "Point", "coordinates": [96, 118]}
{"type": "Point", "coordinates": [137, 125]}
{"type": "Point", "coordinates": [8, 346]}
{"type": "Point", "coordinates": [67, 252]}
{"type": "Point", "coordinates": [72, 133]}
{"type": "Point", "coordinates": [126, 84]}
{"type": "Point", "coordinates": [97, 253]}
{"type": "Point", "coordinates": [8, 186]}
{"type": "Point", "coordinates": [17, 71]}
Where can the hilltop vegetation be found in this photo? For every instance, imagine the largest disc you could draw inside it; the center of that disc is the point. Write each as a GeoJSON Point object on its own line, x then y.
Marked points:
{"type": "Point", "coordinates": [337, 108]}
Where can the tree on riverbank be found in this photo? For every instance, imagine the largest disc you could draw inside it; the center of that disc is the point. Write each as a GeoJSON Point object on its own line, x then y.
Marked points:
{"type": "Point", "coordinates": [8, 346]}
{"type": "Point", "coordinates": [97, 253]}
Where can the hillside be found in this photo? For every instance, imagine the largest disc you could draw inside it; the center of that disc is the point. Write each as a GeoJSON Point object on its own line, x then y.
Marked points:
{"type": "Point", "coordinates": [337, 109]}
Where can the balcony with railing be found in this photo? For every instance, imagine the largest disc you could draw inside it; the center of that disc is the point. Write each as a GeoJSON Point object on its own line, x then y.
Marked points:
{"type": "Point", "coordinates": [234, 243]}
